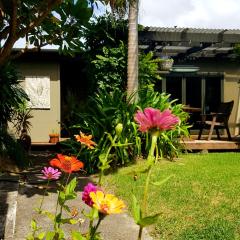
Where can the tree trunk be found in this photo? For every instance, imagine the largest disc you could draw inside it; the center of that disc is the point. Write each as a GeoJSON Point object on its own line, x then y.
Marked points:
{"type": "Point", "coordinates": [132, 81]}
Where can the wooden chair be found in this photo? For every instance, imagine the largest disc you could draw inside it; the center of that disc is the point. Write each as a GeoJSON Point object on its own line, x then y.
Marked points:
{"type": "Point", "coordinates": [217, 120]}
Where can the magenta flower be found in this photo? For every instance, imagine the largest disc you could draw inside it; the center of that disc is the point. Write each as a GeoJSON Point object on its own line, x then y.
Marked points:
{"type": "Point", "coordinates": [50, 173]}
{"type": "Point", "coordinates": [86, 193]}
{"type": "Point", "coordinates": [154, 119]}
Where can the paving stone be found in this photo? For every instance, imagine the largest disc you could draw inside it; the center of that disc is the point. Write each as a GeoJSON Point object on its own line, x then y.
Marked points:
{"type": "Point", "coordinates": [8, 207]}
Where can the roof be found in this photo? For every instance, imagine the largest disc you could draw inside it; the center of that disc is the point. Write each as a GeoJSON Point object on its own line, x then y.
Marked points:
{"type": "Point", "coordinates": [189, 42]}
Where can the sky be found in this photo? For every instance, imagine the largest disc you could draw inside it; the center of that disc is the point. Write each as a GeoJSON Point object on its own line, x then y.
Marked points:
{"type": "Point", "coordinates": [222, 14]}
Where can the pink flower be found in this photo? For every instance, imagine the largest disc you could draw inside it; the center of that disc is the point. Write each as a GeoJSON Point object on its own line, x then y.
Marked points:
{"type": "Point", "coordinates": [50, 173]}
{"type": "Point", "coordinates": [154, 119]}
{"type": "Point", "coordinates": [86, 193]}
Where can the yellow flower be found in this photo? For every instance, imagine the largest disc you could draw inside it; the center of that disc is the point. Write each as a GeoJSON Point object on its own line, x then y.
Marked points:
{"type": "Point", "coordinates": [106, 203]}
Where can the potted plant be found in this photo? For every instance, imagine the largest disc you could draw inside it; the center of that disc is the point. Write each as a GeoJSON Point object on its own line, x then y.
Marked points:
{"type": "Point", "coordinates": [165, 64]}
{"type": "Point", "coordinates": [53, 137]}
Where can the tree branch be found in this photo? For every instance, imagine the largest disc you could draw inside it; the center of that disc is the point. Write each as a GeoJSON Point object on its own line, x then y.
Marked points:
{"type": "Point", "coordinates": [7, 47]}
{"type": "Point", "coordinates": [42, 15]}
{"type": "Point", "coordinates": [13, 35]}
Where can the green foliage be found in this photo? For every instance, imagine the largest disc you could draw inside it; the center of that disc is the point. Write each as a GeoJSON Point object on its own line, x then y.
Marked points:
{"type": "Point", "coordinates": [66, 192]}
{"type": "Point", "coordinates": [11, 93]}
{"type": "Point", "coordinates": [110, 68]}
{"type": "Point", "coordinates": [104, 31]}
{"type": "Point", "coordinates": [168, 144]}
{"type": "Point", "coordinates": [148, 69]}
{"type": "Point", "coordinates": [105, 110]}
{"type": "Point", "coordinates": [45, 22]}
{"type": "Point", "coordinates": [10, 147]}
{"type": "Point", "coordinates": [11, 97]}
{"type": "Point", "coordinates": [21, 118]}
{"type": "Point", "coordinates": [236, 50]}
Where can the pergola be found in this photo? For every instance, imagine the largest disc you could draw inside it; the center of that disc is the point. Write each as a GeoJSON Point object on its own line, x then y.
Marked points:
{"type": "Point", "coordinates": [189, 43]}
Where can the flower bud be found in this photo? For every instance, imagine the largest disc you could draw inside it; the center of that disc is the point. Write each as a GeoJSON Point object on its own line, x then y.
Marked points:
{"type": "Point", "coordinates": [119, 129]}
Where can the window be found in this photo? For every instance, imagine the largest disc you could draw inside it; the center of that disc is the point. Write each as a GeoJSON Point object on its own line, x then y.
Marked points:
{"type": "Point", "coordinates": [197, 91]}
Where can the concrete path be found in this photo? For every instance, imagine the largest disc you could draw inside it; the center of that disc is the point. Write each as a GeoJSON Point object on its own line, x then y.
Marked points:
{"type": "Point", "coordinates": [17, 203]}
{"type": "Point", "coordinates": [8, 207]}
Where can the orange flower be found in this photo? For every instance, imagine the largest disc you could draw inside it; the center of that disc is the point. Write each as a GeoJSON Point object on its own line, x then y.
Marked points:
{"type": "Point", "coordinates": [86, 140]}
{"type": "Point", "coordinates": [66, 163]}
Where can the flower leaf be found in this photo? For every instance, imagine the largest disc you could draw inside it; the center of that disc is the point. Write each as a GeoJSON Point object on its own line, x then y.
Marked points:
{"type": "Point", "coordinates": [69, 221]}
{"type": "Point", "coordinates": [41, 235]}
{"type": "Point", "coordinates": [159, 183]}
{"type": "Point", "coordinates": [49, 215]}
{"type": "Point", "coordinates": [146, 221]}
{"type": "Point", "coordinates": [70, 190]}
{"type": "Point", "coordinates": [34, 225]}
{"type": "Point", "coordinates": [136, 209]}
{"type": "Point", "coordinates": [50, 235]}
{"type": "Point", "coordinates": [77, 236]}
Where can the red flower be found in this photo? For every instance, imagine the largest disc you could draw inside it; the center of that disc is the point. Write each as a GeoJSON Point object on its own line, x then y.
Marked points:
{"type": "Point", "coordinates": [155, 119]}
{"type": "Point", "coordinates": [66, 163]}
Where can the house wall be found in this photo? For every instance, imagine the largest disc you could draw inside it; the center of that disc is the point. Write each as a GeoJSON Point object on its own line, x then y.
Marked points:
{"type": "Point", "coordinates": [44, 121]}
{"type": "Point", "coordinates": [231, 86]}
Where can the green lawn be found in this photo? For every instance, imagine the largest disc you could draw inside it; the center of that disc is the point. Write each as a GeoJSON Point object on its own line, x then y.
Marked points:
{"type": "Point", "coordinates": [201, 201]}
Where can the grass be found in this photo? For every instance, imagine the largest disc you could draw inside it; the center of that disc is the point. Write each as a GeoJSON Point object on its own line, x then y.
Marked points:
{"type": "Point", "coordinates": [201, 200]}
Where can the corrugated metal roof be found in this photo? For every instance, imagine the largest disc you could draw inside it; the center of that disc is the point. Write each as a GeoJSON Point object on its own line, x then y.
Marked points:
{"type": "Point", "coordinates": [190, 42]}
{"type": "Point", "coordinates": [192, 34]}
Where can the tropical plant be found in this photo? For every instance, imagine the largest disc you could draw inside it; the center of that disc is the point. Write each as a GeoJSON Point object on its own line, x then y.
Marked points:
{"type": "Point", "coordinates": [41, 23]}
{"type": "Point", "coordinates": [11, 93]}
{"type": "Point", "coordinates": [104, 31]}
{"type": "Point", "coordinates": [11, 97]}
{"type": "Point", "coordinates": [110, 68]}
{"type": "Point", "coordinates": [122, 6]}
{"type": "Point", "coordinates": [169, 146]}
{"type": "Point", "coordinates": [105, 110]}
{"type": "Point", "coordinates": [11, 148]}
{"type": "Point", "coordinates": [21, 119]}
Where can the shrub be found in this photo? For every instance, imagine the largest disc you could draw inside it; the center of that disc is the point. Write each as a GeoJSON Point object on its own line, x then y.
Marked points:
{"type": "Point", "coordinates": [105, 110]}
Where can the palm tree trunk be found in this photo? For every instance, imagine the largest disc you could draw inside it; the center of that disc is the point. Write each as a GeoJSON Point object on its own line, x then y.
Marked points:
{"type": "Point", "coordinates": [132, 81]}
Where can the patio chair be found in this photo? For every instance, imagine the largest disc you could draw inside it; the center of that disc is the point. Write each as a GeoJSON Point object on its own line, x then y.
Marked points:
{"type": "Point", "coordinates": [217, 120]}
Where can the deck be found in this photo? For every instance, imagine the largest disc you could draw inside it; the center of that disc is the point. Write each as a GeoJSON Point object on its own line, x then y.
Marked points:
{"type": "Point", "coordinates": [193, 144]}
{"type": "Point", "coordinates": [190, 144]}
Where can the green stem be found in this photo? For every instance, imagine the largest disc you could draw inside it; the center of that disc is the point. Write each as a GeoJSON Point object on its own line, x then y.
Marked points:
{"type": "Point", "coordinates": [56, 211]}
{"type": "Point", "coordinates": [105, 160]}
{"type": "Point", "coordinates": [62, 181]}
{"type": "Point", "coordinates": [40, 208]}
{"type": "Point", "coordinates": [151, 160]}
{"type": "Point", "coordinates": [94, 230]}
{"type": "Point", "coordinates": [151, 157]}
{"type": "Point", "coordinates": [140, 233]}
{"type": "Point", "coordinates": [61, 208]}
{"type": "Point", "coordinates": [145, 194]}
{"type": "Point", "coordinates": [79, 152]}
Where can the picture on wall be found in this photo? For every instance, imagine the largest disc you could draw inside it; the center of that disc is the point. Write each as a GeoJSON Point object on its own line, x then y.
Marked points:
{"type": "Point", "coordinates": [38, 90]}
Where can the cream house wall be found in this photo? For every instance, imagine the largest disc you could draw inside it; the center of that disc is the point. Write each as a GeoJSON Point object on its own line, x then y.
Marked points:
{"type": "Point", "coordinates": [44, 121]}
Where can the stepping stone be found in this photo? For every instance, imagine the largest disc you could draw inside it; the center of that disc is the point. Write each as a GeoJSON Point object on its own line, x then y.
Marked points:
{"type": "Point", "coordinates": [8, 206]}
